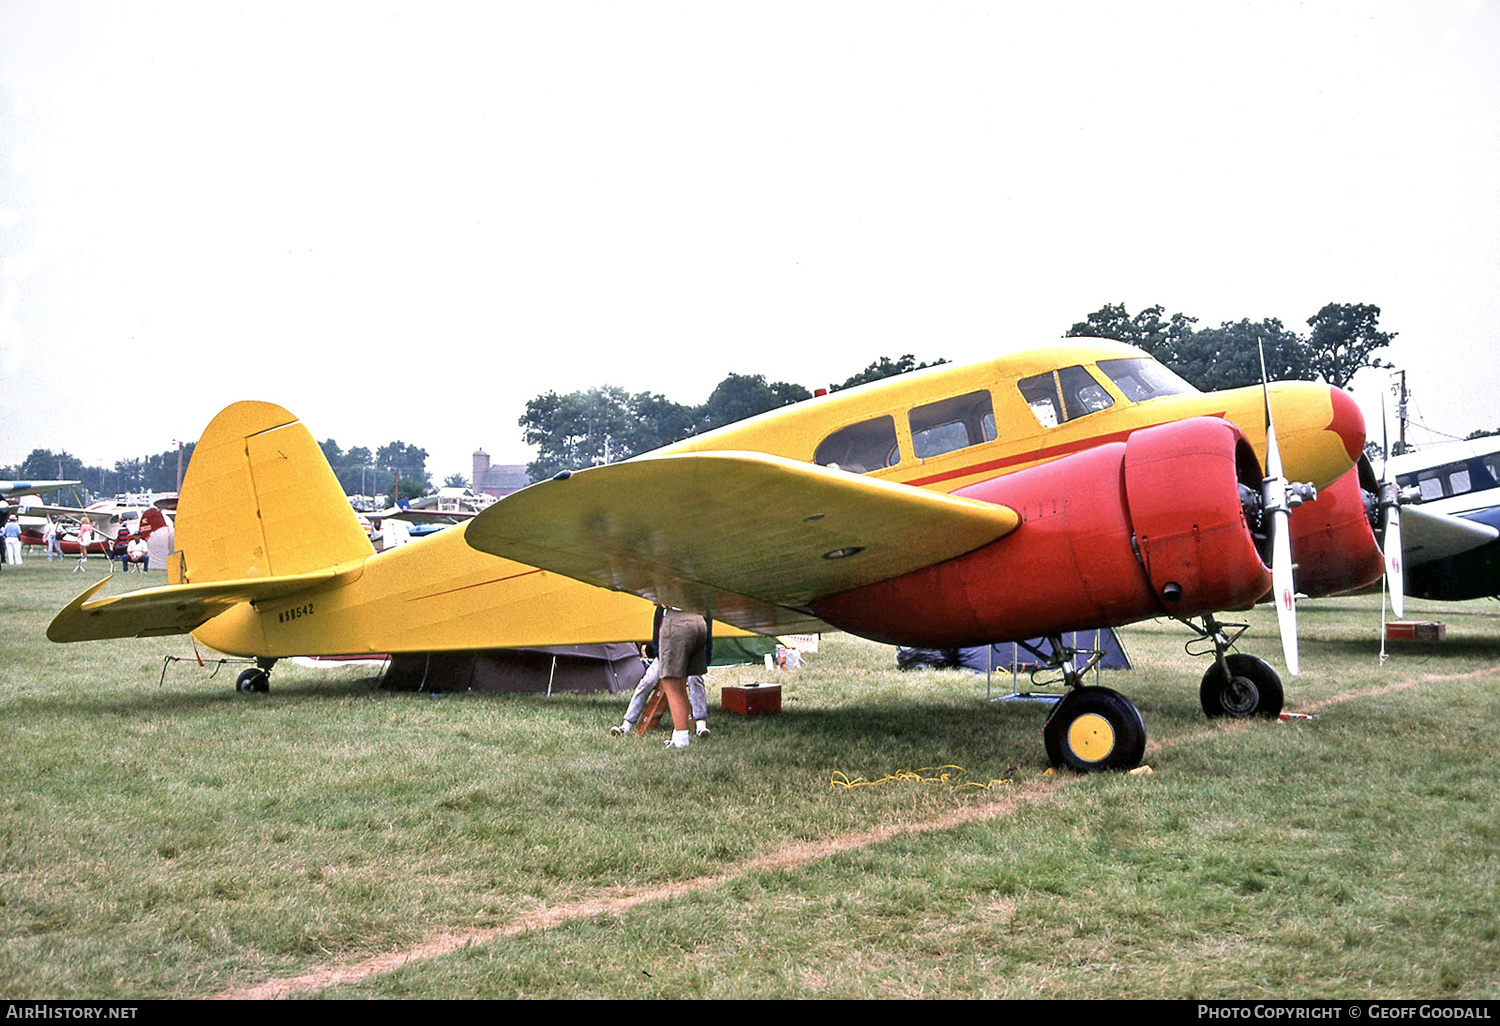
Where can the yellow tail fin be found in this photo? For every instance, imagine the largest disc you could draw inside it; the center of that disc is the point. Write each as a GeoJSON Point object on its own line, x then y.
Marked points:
{"type": "Point", "coordinates": [259, 500]}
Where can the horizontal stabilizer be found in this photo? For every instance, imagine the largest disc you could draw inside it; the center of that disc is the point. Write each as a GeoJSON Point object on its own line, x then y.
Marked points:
{"type": "Point", "coordinates": [1427, 536]}
{"type": "Point", "coordinates": [748, 538]}
{"type": "Point", "coordinates": [172, 608]}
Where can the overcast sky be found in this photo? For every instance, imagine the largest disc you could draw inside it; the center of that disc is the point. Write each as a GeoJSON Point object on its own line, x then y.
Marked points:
{"type": "Point", "coordinates": [404, 220]}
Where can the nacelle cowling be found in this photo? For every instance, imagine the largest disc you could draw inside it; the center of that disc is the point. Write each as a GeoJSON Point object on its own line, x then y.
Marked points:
{"type": "Point", "coordinates": [1334, 546]}
{"type": "Point", "coordinates": [1122, 532]}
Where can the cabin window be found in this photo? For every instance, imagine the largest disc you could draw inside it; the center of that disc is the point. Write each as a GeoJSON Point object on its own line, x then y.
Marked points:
{"type": "Point", "coordinates": [1141, 378]}
{"type": "Point", "coordinates": [1064, 395]}
{"type": "Point", "coordinates": [1448, 480]}
{"type": "Point", "coordinates": [1491, 464]}
{"type": "Point", "coordinates": [1431, 485]}
{"type": "Point", "coordinates": [952, 424]}
{"type": "Point", "coordinates": [861, 448]}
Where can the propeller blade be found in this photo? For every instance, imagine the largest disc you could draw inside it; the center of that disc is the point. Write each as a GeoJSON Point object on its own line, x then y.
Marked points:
{"type": "Point", "coordinates": [1394, 576]}
{"type": "Point", "coordinates": [1282, 586]}
{"type": "Point", "coordinates": [1274, 501]}
{"type": "Point", "coordinates": [1390, 504]}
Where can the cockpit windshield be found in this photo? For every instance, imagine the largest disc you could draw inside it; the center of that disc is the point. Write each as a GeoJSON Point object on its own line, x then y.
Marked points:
{"type": "Point", "coordinates": [1142, 378]}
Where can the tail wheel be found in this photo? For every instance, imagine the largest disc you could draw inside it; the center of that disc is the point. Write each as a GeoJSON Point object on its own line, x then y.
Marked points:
{"type": "Point", "coordinates": [1251, 689]}
{"type": "Point", "coordinates": [1095, 728]}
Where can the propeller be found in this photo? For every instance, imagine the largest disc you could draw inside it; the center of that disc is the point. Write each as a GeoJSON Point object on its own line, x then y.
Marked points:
{"type": "Point", "coordinates": [1391, 534]}
{"type": "Point", "coordinates": [1278, 497]}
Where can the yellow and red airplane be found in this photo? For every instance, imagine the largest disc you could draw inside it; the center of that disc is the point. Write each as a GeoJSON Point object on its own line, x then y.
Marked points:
{"type": "Point", "coordinates": [1064, 488]}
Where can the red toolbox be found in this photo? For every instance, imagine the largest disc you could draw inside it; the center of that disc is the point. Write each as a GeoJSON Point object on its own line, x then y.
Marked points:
{"type": "Point", "coordinates": [1416, 630]}
{"type": "Point", "coordinates": [750, 699]}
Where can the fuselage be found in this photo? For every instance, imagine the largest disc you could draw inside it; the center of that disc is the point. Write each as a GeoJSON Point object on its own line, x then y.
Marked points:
{"type": "Point", "coordinates": [948, 427]}
{"type": "Point", "coordinates": [945, 428]}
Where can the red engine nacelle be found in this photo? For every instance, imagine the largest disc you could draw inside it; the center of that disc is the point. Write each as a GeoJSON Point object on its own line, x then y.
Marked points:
{"type": "Point", "coordinates": [1150, 526]}
{"type": "Point", "coordinates": [1333, 543]}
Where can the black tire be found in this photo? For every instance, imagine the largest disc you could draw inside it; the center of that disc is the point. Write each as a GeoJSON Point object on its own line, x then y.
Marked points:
{"type": "Point", "coordinates": [1253, 689]}
{"type": "Point", "coordinates": [1093, 729]}
{"type": "Point", "coordinates": [253, 680]}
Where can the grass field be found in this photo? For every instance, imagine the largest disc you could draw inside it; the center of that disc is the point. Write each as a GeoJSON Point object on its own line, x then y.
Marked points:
{"type": "Point", "coordinates": [329, 839]}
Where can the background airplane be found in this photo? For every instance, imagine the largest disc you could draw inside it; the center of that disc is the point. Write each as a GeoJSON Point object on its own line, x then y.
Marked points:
{"type": "Point", "coordinates": [109, 517]}
{"type": "Point", "coordinates": [1076, 486]}
{"type": "Point", "coordinates": [27, 502]}
{"type": "Point", "coordinates": [404, 523]}
{"type": "Point", "coordinates": [1450, 518]}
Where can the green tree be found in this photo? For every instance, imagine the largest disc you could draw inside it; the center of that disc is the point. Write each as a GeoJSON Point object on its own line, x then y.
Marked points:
{"type": "Point", "coordinates": [1229, 356]}
{"type": "Point", "coordinates": [48, 465]}
{"type": "Point", "coordinates": [401, 470]}
{"type": "Point", "coordinates": [740, 396]}
{"type": "Point", "coordinates": [332, 453]}
{"type": "Point", "coordinates": [885, 367]}
{"type": "Point", "coordinates": [1344, 338]}
{"type": "Point", "coordinates": [659, 421]}
{"type": "Point", "coordinates": [1147, 330]}
{"type": "Point", "coordinates": [578, 430]}
{"type": "Point", "coordinates": [358, 474]}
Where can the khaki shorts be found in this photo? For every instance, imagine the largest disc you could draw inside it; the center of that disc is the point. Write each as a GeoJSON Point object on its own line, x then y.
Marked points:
{"type": "Point", "coordinates": [683, 644]}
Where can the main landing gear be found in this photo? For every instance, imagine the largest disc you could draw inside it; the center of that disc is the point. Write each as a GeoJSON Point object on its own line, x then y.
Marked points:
{"type": "Point", "coordinates": [1091, 728]}
{"type": "Point", "coordinates": [1236, 685]}
{"type": "Point", "coordinates": [257, 679]}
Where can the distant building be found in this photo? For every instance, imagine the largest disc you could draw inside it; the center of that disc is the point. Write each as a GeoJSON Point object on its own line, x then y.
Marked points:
{"type": "Point", "coordinates": [500, 480]}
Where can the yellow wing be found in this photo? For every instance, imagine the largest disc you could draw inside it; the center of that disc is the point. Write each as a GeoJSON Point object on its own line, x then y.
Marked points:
{"type": "Point", "coordinates": [174, 608]}
{"type": "Point", "coordinates": [748, 538]}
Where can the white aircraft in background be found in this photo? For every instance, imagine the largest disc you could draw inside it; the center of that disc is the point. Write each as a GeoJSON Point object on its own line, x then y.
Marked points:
{"type": "Point", "coordinates": [1450, 514]}
{"type": "Point", "coordinates": [134, 516]}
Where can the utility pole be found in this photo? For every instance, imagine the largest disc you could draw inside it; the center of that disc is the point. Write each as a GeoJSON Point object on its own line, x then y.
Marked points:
{"type": "Point", "coordinates": [1400, 411]}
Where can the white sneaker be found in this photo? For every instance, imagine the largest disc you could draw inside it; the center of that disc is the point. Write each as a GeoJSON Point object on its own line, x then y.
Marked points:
{"type": "Point", "coordinates": [673, 744]}
{"type": "Point", "coordinates": [619, 728]}
{"type": "Point", "coordinates": [703, 731]}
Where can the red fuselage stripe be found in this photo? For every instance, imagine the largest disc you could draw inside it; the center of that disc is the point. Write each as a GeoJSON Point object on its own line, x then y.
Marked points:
{"type": "Point", "coordinates": [1036, 456]}
{"type": "Point", "coordinates": [478, 584]}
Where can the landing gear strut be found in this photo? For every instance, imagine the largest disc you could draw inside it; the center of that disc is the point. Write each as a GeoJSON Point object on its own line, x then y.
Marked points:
{"type": "Point", "coordinates": [1236, 685]}
{"type": "Point", "coordinates": [257, 679]}
{"type": "Point", "coordinates": [1092, 727]}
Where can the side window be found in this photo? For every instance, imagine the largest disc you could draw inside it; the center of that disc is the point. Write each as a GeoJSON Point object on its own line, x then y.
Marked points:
{"type": "Point", "coordinates": [1431, 483]}
{"type": "Point", "coordinates": [1063, 395]}
{"type": "Point", "coordinates": [1040, 394]}
{"type": "Point", "coordinates": [1492, 464]}
{"type": "Point", "coordinates": [861, 448]}
{"type": "Point", "coordinates": [952, 424]}
{"type": "Point", "coordinates": [1448, 480]}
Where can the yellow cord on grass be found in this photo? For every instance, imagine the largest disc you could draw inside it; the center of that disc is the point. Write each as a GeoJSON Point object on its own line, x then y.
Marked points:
{"type": "Point", "coordinates": [955, 777]}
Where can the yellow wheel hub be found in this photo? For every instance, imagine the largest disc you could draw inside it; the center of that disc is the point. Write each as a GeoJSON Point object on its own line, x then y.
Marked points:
{"type": "Point", "coordinates": [1090, 737]}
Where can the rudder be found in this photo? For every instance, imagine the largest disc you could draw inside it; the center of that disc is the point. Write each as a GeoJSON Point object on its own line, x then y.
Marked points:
{"type": "Point", "coordinates": [260, 500]}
